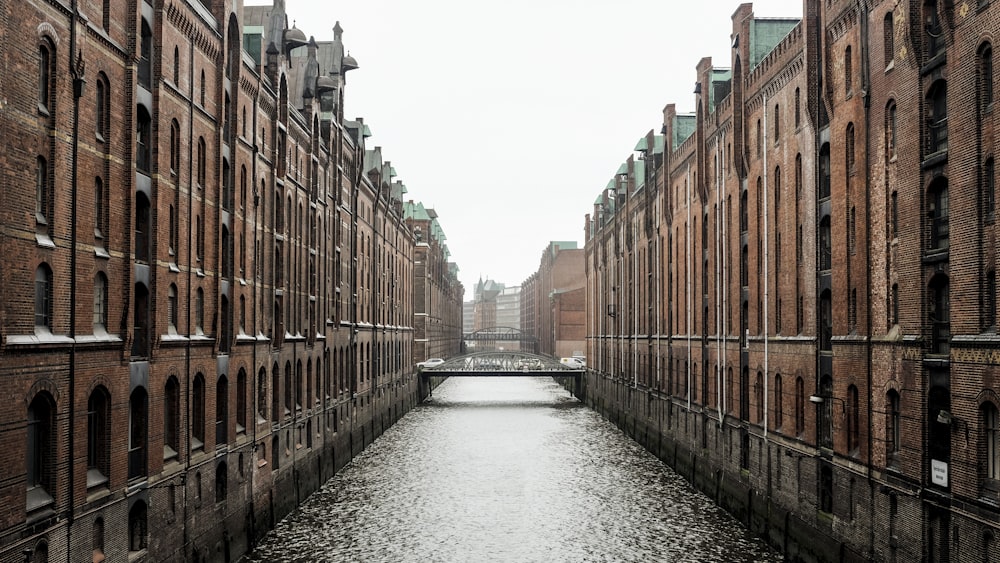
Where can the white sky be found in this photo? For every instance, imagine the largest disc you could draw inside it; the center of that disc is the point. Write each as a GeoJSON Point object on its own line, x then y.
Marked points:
{"type": "Point", "coordinates": [509, 117]}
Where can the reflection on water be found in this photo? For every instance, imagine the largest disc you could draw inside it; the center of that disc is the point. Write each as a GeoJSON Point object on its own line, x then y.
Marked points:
{"type": "Point", "coordinates": [507, 469]}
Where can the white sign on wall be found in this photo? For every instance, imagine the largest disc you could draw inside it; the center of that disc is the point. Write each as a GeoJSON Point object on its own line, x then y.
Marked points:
{"type": "Point", "coordinates": [939, 473]}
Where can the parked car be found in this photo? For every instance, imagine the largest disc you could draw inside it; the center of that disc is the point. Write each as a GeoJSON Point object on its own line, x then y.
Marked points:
{"type": "Point", "coordinates": [430, 363]}
{"type": "Point", "coordinates": [583, 360]}
{"type": "Point", "coordinates": [572, 363]}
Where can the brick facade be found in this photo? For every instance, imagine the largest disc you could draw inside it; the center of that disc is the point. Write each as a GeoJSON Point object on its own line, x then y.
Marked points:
{"type": "Point", "coordinates": [791, 291]}
{"type": "Point", "coordinates": [208, 282]}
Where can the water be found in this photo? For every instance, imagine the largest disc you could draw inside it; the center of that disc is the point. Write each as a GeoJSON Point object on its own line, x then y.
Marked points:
{"type": "Point", "coordinates": [511, 469]}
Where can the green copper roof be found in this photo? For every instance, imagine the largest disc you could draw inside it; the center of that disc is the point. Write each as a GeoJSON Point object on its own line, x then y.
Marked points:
{"type": "Point", "coordinates": [623, 169]}
{"type": "Point", "coordinates": [683, 128]}
{"type": "Point", "coordinates": [415, 211]}
{"type": "Point", "coordinates": [639, 169]}
{"type": "Point", "coordinates": [642, 145]}
{"type": "Point", "coordinates": [765, 34]}
{"type": "Point", "coordinates": [658, 142]}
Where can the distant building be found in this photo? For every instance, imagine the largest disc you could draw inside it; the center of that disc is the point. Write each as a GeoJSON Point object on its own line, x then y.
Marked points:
{"type": "Point", "coordinates": [555, 301]}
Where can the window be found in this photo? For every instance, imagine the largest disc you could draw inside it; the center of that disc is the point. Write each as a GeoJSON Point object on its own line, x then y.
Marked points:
{"type": "Point", "coordinates": [221, 411]}
{"type": "Point", "coordinates": [137, 527]}
{"type": "Point", "coordinates": [990, 301]}
{"type": "Point", "coordinates": [175, 148]}
{"type": "Point", "coordinates": [275, 386]}
{"type": "Point", "coordinates": [42, 192]}
{"type": "Point", "coordinates": [826, 412]}
{"type": "Point", "coordinates": [891, 125]}
{"type": "Point", "coordinates": [40, 451]}
{"type": "Point", "coordinates": [888, 38]}
{"type": "Point", "coordinates": [143, 141]}
{"type": "Point", "coordinates": [201, 162]}
{"type": "Point", "coordinates": [893, 431]}
{"type": "Point", "coordinates": [177, 66]}
{"type": "Point", "coordinates": [202, 97]}
{"type": "Point", "coordinates": [199, 311]}
{"type": "Point", "coordinates": [99, 207]}
{"type": "Point", "coordinates": [985, 76]}
{"type": "Point", "coordinates": [800, 406]}
{"type": "Point", "coordinates": [98, 437]}
{"type": "Point", "coordinates": [172, 309]}
{"type": "Point", "coordinates": [989, 190]}
{"type": "Point", "coordinates": [760, 140]}
{"type": "Point", "coordinates": [937, 118]}
{"type": "Point", "coordinates": [146, 56]}
{"type": "Point", "coordinates": [826, 321]}
{"type": "Point", "coordinates": [138, 419]}
{"type": "Point", "coordinates": [43, 299]}
{"type": "Point", "coordinates": [140, 326]}
{"type": "Point", "coordinates": [101, 109]}
{"type": "Point", "coordinates": [241, 401]}
{"type": "Point", "coordinates": [937, 214]}
{"type": "Point", "coordinates": [826, 488]}
{"type": "Point", "coordinates": [934, 33]}
{"type": "Point", "coordinates": [852, 410]}
{"type": "Point", "coordinates": [758, 397]}
{"type": "Point", "coordinates": [991, 440]}
{"type": "Point", "coordinates": [848, 72]}
{"type": "Point", "coordinates": [940, 311]}
{"type": "Point", "coordinates": [893, 215]}
{"type": "Point", "coordinates": [777, 123]}
{"type": "Point", "coordinates": [198, 413]}
{"type": "Point", "coordinates": [798, 108]}
{"type": "Point", "coordinates": [825, 244]}
{"type": "Point", "coordinates": [171, 419]}
{"type": "Point", "coordinates": [779, 407]}
{"type": "Point", "coordinates": [100, 321]}
{"type": "Point", "coordinates": [221, 481]}
{"type": "Point", "coordinates": [46, 61]}
{"type": "Point", "coordinates": [288, 388]}
{"type": "Point", "coordinates": [143, 232]}
{"type": "Point", "coordinates": [824, 171]}
{"type": "Point", "coordinates": [261, 395]}
{"type": "Point", "coordinates": [849, 148]}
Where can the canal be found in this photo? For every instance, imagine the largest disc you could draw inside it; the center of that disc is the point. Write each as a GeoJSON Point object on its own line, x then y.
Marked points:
{"type": "Point", "coordinates": [507, 469]}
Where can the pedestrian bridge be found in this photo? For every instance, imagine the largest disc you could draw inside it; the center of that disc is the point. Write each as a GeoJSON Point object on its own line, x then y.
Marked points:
{"type": "Point", "coordinates": [501, 364]}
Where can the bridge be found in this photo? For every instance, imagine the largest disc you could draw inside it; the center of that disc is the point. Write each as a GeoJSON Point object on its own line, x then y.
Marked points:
{"type": "Point", "coordinates": [503, 364]}
{"type": "Point", "coordinates": [497, 338]}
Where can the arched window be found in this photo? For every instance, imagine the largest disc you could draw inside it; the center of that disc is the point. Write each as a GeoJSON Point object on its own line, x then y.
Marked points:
{"type": "Point", "coordinates": [46, 70]}
{"type": "Point", "coordinates": [40, 452]}
{"type": "Point", "coordinates": [940, 312]}
{"type": "Point", "coordinates": [137, 431]}
{"type": "Point", "coordinates": [991, 440]}
{"type": "Point", "coordinates": [937, 117]}
{"type": "Point", "coordinates": [171, 419]}
{"type": "Point", "coordinates": [985, 75]}
{"type": "Point", "coordinates": [824, 171]}
{"type": "Point", "coordinates": [221, 411]}
{"type": "Point", "coordinates": [177, 66]}
{"type": "Point", "coordinates": [43, 299]}
{"type": "Point", "coordinates": [98, 437]}
{"type": "Point", "coordinates": [849, 148]}
{"type": "Point", "coordinates": [145, 55]}
{"type": "Point", "coordinates": [198, 413]}
{"type": "Point", "coordinates": [938, 214]}
{"type": "Point", "coordinates": [800, 406]}
{"type": "Point", "coordinates": [798, 108]}
{"type": "Point", "coordinates": [137, 536]}
{"type": "Point", "coordinates": [891, 125]}
{"type": "Point", "coordinates": [893, 431]}
{"type": "Point", "coordinates": [42, 192]}
{"type": "Point", "coordinates": [888, 38]}
{"type": "Point", "coordinates": [261, 395]}
{"type": "Point", "coordinates": [848, 72]}
{"type": "Point", "coordinates": [202, 165]}
{"type": "Point", "coordinates": [241, 401]}
{"type": "Point", "coordinates": [101, 108]}
{"type": "Point", "coordinates": [933, 32]}
{"type": "Point", "coordinates": [825, 244]}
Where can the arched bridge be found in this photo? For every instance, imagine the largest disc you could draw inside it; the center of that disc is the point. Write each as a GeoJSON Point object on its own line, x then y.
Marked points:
{"type": "Point", "coordinates": [503, 364]}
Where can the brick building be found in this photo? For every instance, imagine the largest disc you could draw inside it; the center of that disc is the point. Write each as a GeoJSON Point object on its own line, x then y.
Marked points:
{"type": "Point", "coordinates": [210, 309]}
{"type": "Point", "coordinates": [748, 269]}
{"type": "Point", "coordinates": [555, 301]}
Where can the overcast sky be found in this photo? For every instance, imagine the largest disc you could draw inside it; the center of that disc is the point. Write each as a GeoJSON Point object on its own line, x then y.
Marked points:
{"type": "Point", "coordinates": [509, 117]}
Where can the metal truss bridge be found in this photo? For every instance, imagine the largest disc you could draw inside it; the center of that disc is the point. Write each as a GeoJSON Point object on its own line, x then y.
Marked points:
{"type": "Point", "coordinates": [502, 364]}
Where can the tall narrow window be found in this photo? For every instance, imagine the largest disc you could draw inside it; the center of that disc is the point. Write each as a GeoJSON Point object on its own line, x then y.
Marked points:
{"type": "Point", "coordinates": [41, 191]}
{"type": "Point", "coordinates": [826, 322]}
{"type": "Point", "coordinates": [100, 110]}
{"type": "Point", "coordinates": [937, 213]}
{"type": "Point", "coordinates": [43, 299]}
{"type": "Point", "coordinates": [893, 430]}
{"type": "Point", "coordinates": [849, 148]}
{"type": "Point", "coordinates": [848, 72]}
{"type": "Point", "coordinates": [888, 38]}
{"type": "Point", "coordinates": [145, 55]}
{"type": "Point", "coordinates": [241, 401]}
{"type": "Point", "coordinates": [777, 123]}
{"type": "Point", "coordinates": [853, 420]}
{"type": "Point", "coordinates": [991, 439]}
{"type": "Point", "coordinates": [143, 234]}
{"type": "Point", "coordinates": [138, 413]}
{"type": "Point", "coordinates": [171, 419]}
{"type": "Point", "coordinates": [779, 406]}
{"type": "Point", "coordinates": [890, 129]}
{"type": "Point", "coordinates": [824, 171]}
{"type": "Point", "coordinates": [198, 413]}
{"type": "Point", "coordinates": [940, 312]}
{"type": "Point", "coordinates": [826, 412]}
{"type": "Point", "coordinates": [143, 140]}
{"type": "Point", "coordinates": [199, 311]}
{"type": "Point", "coordinates": [172, 309]}
{"type": "Point", "coordinates": [937, 117]}
{"type": "Point", "coordinates": [137, 530]}
{"type": "Point", "coordinates": [177, 66]}
{"type": "Point", "coordinates": [98, 437]}
{"type": "Point", "coordinates": [45, 63]}
{"type": "Point", "coordinates": [221, 411]}
{"type": "Point", "coordinates": [798, 108]}
{"type": "Point", "coordinates": [99, 208]}
{"type": "Point", "coordinates": [933, 32]}
{"type": "Point", "coordinates": [985, 76]}
{"type": "Point", "coordinates": [800, 406]}
{"type": "Point", "coordinates": [201, 162]}
{"type": "Point", "coordinates": [100, 320]}
{"type": "Point", "coordinates": [261, 395]}
{"type": "Point", "coordinates": [893, 215]}
{"type": "Point", "coordinates": [825, 244]}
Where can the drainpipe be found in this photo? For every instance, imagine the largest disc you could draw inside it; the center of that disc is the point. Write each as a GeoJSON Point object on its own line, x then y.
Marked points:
{"type": "Point", "coordinates": [187, 346]}
{"type": "Point", "coordinates": [865, 91]}
{"type": "Point", "coordinates": [687, 276]}
{"type": "Point", "coordinates": [767, 271]}
{"type": "Point", "coordinates": [635, 307]}
{"type": "Point", "coordinates": [725, 282]}
{"type": "Point", "coordinates": [258, 228]}
{"type": "Point", "coordinates": [76, 71]}
{"type": "Point", "coordinates": [719, 287]}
